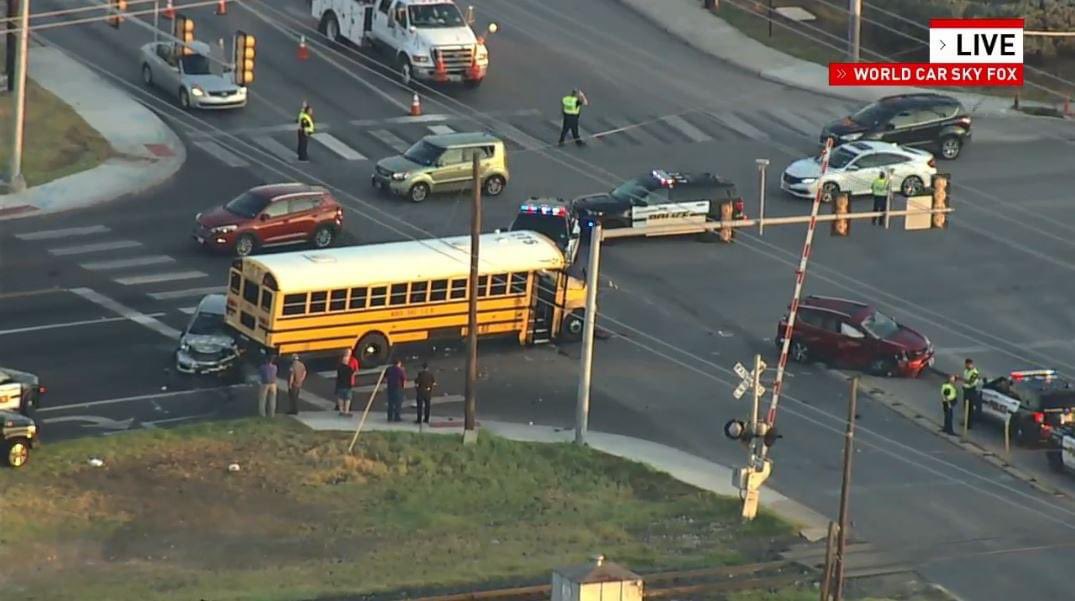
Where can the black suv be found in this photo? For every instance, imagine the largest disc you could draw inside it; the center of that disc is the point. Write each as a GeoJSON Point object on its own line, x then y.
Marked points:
{"type": "Point", "coordinates": [932, 120]}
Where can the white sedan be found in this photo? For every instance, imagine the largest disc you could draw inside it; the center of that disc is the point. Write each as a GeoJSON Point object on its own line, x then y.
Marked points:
{"type": "Point", "coordinates": [190, 77]}
{"type": "Point", "coordinates": [854, 166]}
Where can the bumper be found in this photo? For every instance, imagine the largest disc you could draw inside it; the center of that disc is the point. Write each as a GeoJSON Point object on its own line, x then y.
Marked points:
{"type": "Point", "coordinates": [799, 190]}
{"type": "Point", "coordinates": [209, 102]}
{"type": "Point", "coordinates": [387, 184]}
{"type": "Point", "coordinates": [215, 242]}
{"type": "Point", "coordinates": [187, 364]}
{"type": "Point", "coordinates": [912, 368]}
{"type": "Point", "coordinates": [456, 76]}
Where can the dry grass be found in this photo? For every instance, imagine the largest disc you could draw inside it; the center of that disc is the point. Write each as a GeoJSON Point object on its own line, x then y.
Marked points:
{"type": "Point", "coordinates": [165, 519]}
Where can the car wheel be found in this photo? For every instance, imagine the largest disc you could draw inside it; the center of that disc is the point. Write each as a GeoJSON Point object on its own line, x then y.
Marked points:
{"type": "Point", "coordinates": [184, 98]}
{"type": "Point", "coordinates": [246, 245]}
{"type": "Point", "coordinates": [147, 75]}
{"type": "Point", "coordinates": [494, 185]}
{"type": "Point", "coordinates": [419, 192]}
{"type": "Point", "coordinates": [323, 237]}
{"type": "Point", "coordinates": [886, 368]}
{"type": "Point", "coordinates": [912, 186]}
{"type": "Point", "coordinates": [574, 325]}
{"type": "Point", "coordinates": [950, 147]}
{"type": "Point", "coordinates": [799, 352]}
{"type": "Point", "coordinates": [1019, 431]}
{"type": "Point", "coordinates": [372, 349]}
{"type": "Point", "coordinates": [406, 72]}
{"type": "Point", "coordinates": [17, 452]}
{"type": "Point", "coordinates": [829, 191]}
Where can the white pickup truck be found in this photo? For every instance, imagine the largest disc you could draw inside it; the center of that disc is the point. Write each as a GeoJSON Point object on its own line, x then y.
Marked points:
{"type": "Point", "coordinates": [427, 40]}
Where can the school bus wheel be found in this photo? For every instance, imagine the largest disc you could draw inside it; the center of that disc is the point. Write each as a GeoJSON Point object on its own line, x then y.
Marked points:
{"type": "Point", "coordinates": [373, 349]}
{"type": "Point", "coordinates": [574, 324]}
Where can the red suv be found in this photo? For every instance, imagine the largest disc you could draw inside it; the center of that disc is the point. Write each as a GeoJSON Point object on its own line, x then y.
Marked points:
{"type": "Point", "coordinates": [271, 215]}
{"type": "Point", "coordinates": [853, 335]}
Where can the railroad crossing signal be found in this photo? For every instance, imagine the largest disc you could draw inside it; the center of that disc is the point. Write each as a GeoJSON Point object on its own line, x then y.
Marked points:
{"type": "Point", "coordinates": [750, 380]}
{"type": "Point", "coordinates": [118, 7]}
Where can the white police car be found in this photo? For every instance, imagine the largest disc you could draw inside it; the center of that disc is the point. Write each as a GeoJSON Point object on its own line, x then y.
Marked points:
{"type": "Point", "coordinates": [1037, 403]}
{"type": "Point", "coordinates": [551, 218]}
{"type": "Point", "coordinates": [1061, 454]}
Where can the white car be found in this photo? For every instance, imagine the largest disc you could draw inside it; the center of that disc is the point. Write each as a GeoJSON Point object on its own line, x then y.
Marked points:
{"type": "Point", "coordinates": [854, 166]}
{"type": "Point", "coordinates": [207, 345]}
{"type": "Point", "coordinates": [190, 77]}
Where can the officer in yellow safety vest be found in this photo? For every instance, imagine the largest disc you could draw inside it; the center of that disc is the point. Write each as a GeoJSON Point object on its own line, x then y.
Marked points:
{"type": "Point", "coordinates": [306, 129]}
{"type": "Point", "coordinates": [949, 396]}
{"type": "Point", "coordinates": [572, 106]}
{"type": "Point", "coordinates": [971, 395]}
{"type": "Point", "coordinates": [879, 189]}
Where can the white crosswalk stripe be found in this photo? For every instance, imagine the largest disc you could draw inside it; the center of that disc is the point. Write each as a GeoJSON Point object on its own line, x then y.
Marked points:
{"type": "Point", "coordinates": [93, 248]}
{"type": "Point", "coordinates": [156, 278]}
{"type": "Point", "coordinates": [692, 132]}
{"type": "Point", "coordinates": [738, 125]}
{"type": "Point", "coordinates": [176, 294]}
{"type": "Point", "coordinates": [795, 122]}
{"type": "Point", "coordinates": [390, 139]}
{"type": "Point", "coordinates": [444, 399]}
{"type": "Point", "coordinates": [63, 233]}
{"type": "Point", "coordinates": [220, 153]}
{"type": "Point", "coordinates": [270, 144]}
{"type": "Point", "coordinates": [125, 263]}
{"type": "Point", "coordinates": [630, 130]}
{"type": "Point", "coordinates": [441, 130]}
{"type": "Point", "coordinates": [336, 145]}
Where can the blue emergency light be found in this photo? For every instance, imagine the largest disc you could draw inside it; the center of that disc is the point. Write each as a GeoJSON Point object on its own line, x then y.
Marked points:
{"type": "Point", "coordinates": [543, 210]}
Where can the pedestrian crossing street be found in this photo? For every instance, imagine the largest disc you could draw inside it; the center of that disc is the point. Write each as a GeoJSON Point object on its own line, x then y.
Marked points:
{"type": "Point", "coordinates": [527, 129]}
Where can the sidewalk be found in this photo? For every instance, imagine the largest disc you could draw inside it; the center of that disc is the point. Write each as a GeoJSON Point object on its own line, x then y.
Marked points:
{"type": "Point", "coordinates": [147, 151]}
{"type": "Point", "coordinates": [682, 466]}
{"type": "Point", "coordinates": [698, 28]}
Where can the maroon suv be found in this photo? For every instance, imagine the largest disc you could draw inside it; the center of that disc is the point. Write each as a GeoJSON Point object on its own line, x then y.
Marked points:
{"type": "Point", "coordinates": [853, 335]}
{"type": "Point", "coordinates": [271, 215]}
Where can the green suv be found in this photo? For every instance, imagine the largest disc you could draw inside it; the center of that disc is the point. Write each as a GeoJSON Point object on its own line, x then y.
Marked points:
{"type": "Point", "coordinates": [18, 434]}
{"type": "Point", "coordinates": [441, 163]}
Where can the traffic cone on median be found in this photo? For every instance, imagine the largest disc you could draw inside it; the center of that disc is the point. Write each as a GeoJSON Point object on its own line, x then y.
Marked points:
{"type": "Point", "coordinates": [416, 106]}
{"type": "Point", "coordinates": [304, 52]}
{"type": "Point", "coordinates": [222, 7]}
{"type": "Point", "coordinates": [169, 10]}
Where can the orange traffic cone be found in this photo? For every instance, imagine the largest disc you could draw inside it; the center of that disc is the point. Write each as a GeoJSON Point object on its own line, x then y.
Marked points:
{"type": "Point", "coordinates": [441, 73]}
{"type": "Point", "coordinates": [416, 106]}
{"type": "Point", "coordinates": [222, 7]}
{"type": "Point", "coordinates": [304, 52]}
{"type": "Point", "coordinates": [169, 10]}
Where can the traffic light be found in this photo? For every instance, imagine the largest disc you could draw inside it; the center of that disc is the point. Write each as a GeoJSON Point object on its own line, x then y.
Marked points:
{"type": "Point", "coordinates": [118, 8]}
{"type": "Point", "coordinates": [244, 58]}
{"type": "Point", "coordinates": [727, 213]}
{"type": "Point", "coordinates": [183, 30]}
{"type": "Point", "coordinates": [940, 199]}
{"type": "Point", "coordinates": [841, 205]}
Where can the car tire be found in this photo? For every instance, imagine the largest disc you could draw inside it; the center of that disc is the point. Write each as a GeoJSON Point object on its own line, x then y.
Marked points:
{"type": "Point", "coordinates": [884, 368]}
{"type": "Point", "coordinates": [574, 325]}
{"type": "Point", "coordinates": [1019, 432]}
{"type": "Point", "coordinates": [912, 186]}
{"type": "Point", "coordinates": [406, 71]}
{"type": "Point", "coordinates": [184, 99]}
{"type": "Point", "coordinates": [951, 146]}
{"type": "Point", "coordinates": [494, 185]}
{"type": "Point", "coordinates": [829, 191]}
{"type": "Point", "coordinates": [147, 75]}
{"type": "Point", "coordinates": [323, 236]}
{"type": "Point", "coordinates": [246, 245]}
{"type": "Point", "coordinates": [330, 27]}
{"type": "Point", "coordinates": [16, 452]}
{"type": "Point", "coordinates": [799, 352]}
{"type": "Point", "coordinates": [418, 192]}
{"type": "Point", "coordinates": [373, 349]}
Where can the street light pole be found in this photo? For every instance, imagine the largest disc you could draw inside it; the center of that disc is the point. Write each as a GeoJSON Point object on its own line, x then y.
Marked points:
{"type": "Point", "coordinates": [582, 409]}
{"type": "Point", "coordinates": [470, 407]}
{"type": "Point", "coordinates": [855, 29]}
{"type": "Point", "coordinates": [763, 164]}
{"type": "Point", "coordinates": [16, 182]}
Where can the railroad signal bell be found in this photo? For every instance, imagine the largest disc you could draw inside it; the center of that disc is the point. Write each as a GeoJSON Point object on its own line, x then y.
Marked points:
{"type": "Point", "coordinates": [244, 58]}
{"type": "Point", "coordinates": [118, 8]}
{"type": "Point", "coordinates": [841, 205]}
{"type": "Point", "coordinates": [940, 199]}
{"type": "Point", "coordinates": [184, 32]}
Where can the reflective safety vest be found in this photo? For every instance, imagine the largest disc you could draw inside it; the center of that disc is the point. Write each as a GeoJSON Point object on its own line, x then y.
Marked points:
{"type": "Point", "coordinates": [572, 106]}
{"type": "Point", "coordinates": [948, 392]}
{"type": "Point", "coordinates": [879, 187]}
{"type": "Point", "coordinates": [970, 378]}
{"type": "Point", "coordinates": [306, 123]}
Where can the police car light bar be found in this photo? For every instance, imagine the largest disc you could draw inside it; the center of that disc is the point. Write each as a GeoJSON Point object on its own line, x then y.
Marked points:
{"type": "Point", "coordinates": [1033, 373]}
{"type": "Point", "coordinates": [543, 210]}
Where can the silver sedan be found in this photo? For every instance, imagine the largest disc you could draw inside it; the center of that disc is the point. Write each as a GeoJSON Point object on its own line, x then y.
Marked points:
{"type": "Point", "coordinates": [190, 77]}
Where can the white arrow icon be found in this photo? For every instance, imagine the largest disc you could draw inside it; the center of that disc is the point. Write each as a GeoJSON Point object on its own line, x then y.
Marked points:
{"type": "Point", "coordinates": [95, 421]}
{"type": "Point", "coordinates": [942, 44]}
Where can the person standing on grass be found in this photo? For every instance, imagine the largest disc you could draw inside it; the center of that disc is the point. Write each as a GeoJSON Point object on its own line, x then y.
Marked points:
{"type": "Point", "coordinates": [345, 382]}
{"type": "Point", "coordinates": [423, 392]}
{"type": "Point", "coordinates": [295, 379]}
{"type": "Point", "coordinates": [397, 379]}
{"type": "Point", "coordinates": [267, 387]}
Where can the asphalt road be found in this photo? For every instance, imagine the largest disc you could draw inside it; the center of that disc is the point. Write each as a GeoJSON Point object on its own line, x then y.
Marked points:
{"type": "Point", "coordinates": [680, 313]}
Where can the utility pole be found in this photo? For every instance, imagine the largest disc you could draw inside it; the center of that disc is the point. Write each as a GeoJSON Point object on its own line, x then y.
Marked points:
{"type": "Point", "coordinates": [854, 26]}
{"type": "Point", "coordinates": [9, 44]}
{"type": "Point", "coordinates": [845, 493]}
{"type": "Point", "coordinates": [763, 164]}
{"type": "Point", "coordinates": [16, 182]}
{"type": "Point", "coordinates": [582, 409]}
{"type": "Point", "coordinates": [470, 432]}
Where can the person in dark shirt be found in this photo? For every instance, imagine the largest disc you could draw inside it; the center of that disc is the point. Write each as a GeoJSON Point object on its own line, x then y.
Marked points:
{"type": "Point", "coordinates": [397, 379]}
{"type": "Point", "coordinates": [345, 381]}
{"type": "Point", "coordinates": [423, 392]}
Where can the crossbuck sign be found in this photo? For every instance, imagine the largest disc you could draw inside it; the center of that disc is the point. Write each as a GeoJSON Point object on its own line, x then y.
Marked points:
{"type": "Point", "coordinates": [748, 378]}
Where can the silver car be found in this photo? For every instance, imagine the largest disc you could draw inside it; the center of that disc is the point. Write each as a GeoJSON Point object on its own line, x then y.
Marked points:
{"type": "Point", "coordinates": [190, 77]}
{"type": "Point", "coordinates": [207, 345]}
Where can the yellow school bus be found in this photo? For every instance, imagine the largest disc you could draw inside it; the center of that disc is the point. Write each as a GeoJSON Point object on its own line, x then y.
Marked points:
{"type": "Point", "coordinates": [371, 297]}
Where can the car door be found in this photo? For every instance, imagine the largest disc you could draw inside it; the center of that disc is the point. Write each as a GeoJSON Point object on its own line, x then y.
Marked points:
{"type": "Point", "coordinates": [651, 210]}
{"type": "Point", "coordinates": [859, 174]}
{"type": "Point", "coordinates": [165, 67]}
{"type": "Point", "coordinates": [301, 218]}
{"type": "Point", "coordinates": [452, 171]}
{"type": "Point", "coordinates": [900, 128]}
{"type": "Point", "coordinates": [926, 126]}
{"type": "Point", "coordinates": [809, 331]}
{"type": "Point", "coordinates": [853, 347]}
{"type": "Point", "coordinates": [273, 226]}
{"type": "Point", "coordinates": [484, 160]}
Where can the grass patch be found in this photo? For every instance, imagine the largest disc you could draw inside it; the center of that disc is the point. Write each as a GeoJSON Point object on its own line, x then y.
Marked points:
{"type": "Point", "coordinates": [57, 141]}
{"type": "Point", "coordinates": [751, 18]}
{"type": "Point", "coordinates": [165, 519]}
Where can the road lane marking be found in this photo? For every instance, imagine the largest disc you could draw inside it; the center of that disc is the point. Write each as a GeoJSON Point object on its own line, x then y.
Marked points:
{"type": "Point", "coordinates": [188, 310]}
{"type": "Point", "coordinates": [441, 130]}
{"type": "Point", "coordinates": [132, 399]}
{"type": "Point", "coordinates": [137, 317]}
{"type": "Point", "coordinates": [124, 263]}
{"type": "Point", "coordinates": [735, 123]}
{"type": "Point", "coordinates": [174, 294]}
{"type": "Point", "coordinates": [270, 144]}
{"type": "Point", "coordinates": [171, 420]}
{"type": "Point", "coordinates": [221, 154]}
{"type": "Point", "coordinates": [444, 399]}
{"type": "Point", "coordinates": [331, 373]}
{"type": "Point", "coordinates": [687, 129]}
{"type": "Point", "coordinates": [620, 125]}
{"type": "Point", "coordinates": [390, 139]}
{"type": "Point", "coordinates": [336, 145]}
{"type": "Point", "coordinates": [64, 233]}
{"type": "Point", "coordinates": [795, 122]}
{"type": "Point", "coordinates": [25, 293]}
{"type": "Point", "coordinates": [69, 324]}
{"type": "Point", "coordinates": [156, 278]}
{"type": "Point", "coordinates": [92, 248]}
{"type": "Point", "coordinates": [1034, 345]}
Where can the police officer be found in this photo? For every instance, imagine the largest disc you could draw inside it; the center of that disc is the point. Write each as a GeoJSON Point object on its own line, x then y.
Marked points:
{"type": "Point", "coordinates": [971, 395]}
{"type": "Point", "coordinates": [572, 106]}
{"type": "Point", "coordinates": [949, 397]}
{"type": "Point", "coordinates": [306, 129]}
{"type": "Point", "coordinates": [879, 189]}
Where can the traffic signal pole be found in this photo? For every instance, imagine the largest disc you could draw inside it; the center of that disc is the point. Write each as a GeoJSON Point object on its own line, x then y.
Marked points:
{"type": "Point", "coordinates": [470, 407]}
{"type": "Point", "coordinates": [593, 265]}
{"type": "Point", "coordinates": [845, 492]}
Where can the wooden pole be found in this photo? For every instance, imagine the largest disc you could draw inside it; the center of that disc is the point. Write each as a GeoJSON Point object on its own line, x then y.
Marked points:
{"type": "Point", "coordinates": [826, 575]}
{"type": "Point", "coordinates": [470, 411]}
{"type": "Point", "coordinates": [366, 411]}
{"type": "Point", "coordinates": [845, 492]}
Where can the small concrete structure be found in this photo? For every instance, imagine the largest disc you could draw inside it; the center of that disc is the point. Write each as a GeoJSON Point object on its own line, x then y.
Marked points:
{"type": "Point", "coordinates": [597, 581]}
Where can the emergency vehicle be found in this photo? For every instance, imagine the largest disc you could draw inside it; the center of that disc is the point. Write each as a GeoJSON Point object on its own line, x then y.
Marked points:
{"type": "Point", "coordinates": [551, 217]}
{"type": "Point", "coordinates": [20, 392]}
{"type": "Point", "coordinates": [428, 40]}
{"type": "Point", "coordinates": [1037, 403]}
{"type": "Point", "coordinates": [1061, 454]}
{"type": "Point", "coordinates": [660, 198]}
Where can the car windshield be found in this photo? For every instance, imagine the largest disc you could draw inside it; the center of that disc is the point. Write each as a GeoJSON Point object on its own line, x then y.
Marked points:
{"type": "Point", "coordinates": [839, 159]}
{"type": "Point", "coordinates": [631, 191]}
{"type": "Point", "coordinates": [435, 15]}
{"type": "Point", "coordinates": [423, 153]}
{"type": "Point", "coordinates": [246, 205]}
{"type": "Point", "coordinates": [550, 225]}
{"type": "Point", "coordinates": [196, 64]}
{"type": "Point", "coordinates": [208, 324]}
{"type": "Point", "coordinates": [871, 114]}
{"type": "Point", "coordinates": [880, 325]}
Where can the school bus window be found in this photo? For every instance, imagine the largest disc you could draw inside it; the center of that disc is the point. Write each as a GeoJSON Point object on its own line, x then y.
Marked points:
{"type": "Point", "coordinates": [294, 304]}
{"type": "Point", "coordinates": [236, 281]}
{"type": "Point", "coordinates": [250, 291]}
{"type": "Point", "coordinates": [358, 298]}
{"type": "Point", "coordinates": [438, 290]}
{"type": "Point", "coordinates": [266, 300]}
{"type": "Point", "coordinates": [317, 302]}
{"type": "Point", "coordinates": [483, 286]}
{"type": "Point", "coordinates": [418, 292]}
{"type": "Point", "coordinates": [518, 283]}
{"type": "Point", "coordinates": [338, 300]}
{"type": "Point", "coordinates": [399, 294]}
{"type": "Point", "coordinates": [500, 285]}
{"type": "Point", "coordinates": [377, 296]}
{"type": "Point", "coordinates": [459, 289]}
